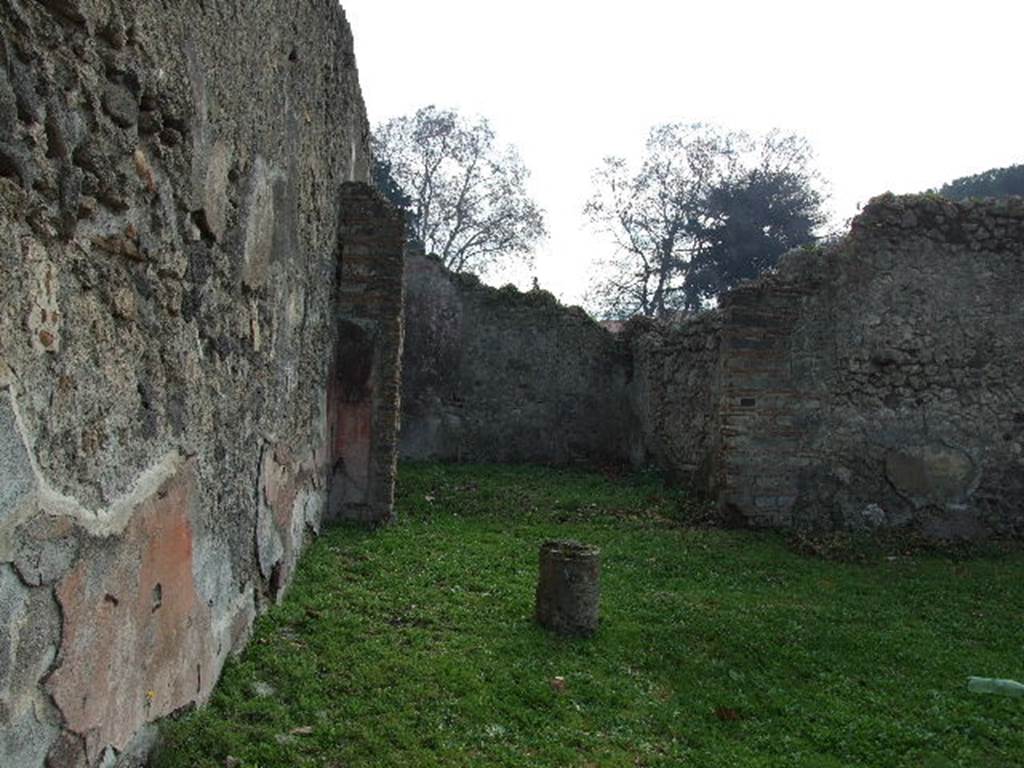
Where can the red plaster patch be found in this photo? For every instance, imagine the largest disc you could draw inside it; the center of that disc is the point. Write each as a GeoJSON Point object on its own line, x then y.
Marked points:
{"type": "Point", "coordinates": [350, 420]}
{"type": "Point", "coordinates": [137, 636]}
{"type": "Point", "coordinates": [354, 439]}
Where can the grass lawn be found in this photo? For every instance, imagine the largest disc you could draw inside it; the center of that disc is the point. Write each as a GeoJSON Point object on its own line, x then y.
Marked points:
{"type": "Point", "coordinates": [414, 645]}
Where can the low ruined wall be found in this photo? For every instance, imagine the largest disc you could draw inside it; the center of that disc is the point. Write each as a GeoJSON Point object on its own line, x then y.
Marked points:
{"type": "Point", "coordinates": [883, 376]}
{"type": "Point", "coordinates": [496, 375]}
{"type": "Point", "coordinates": [875, 383]}
{"type": "Point", "coordinates": [173, 380]}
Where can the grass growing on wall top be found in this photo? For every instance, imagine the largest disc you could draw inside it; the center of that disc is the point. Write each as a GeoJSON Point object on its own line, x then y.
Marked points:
{"type": "Point", "coordinates": [414, 645]}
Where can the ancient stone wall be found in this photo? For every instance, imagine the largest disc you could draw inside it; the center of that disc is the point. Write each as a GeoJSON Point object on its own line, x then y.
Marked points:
{"type": "Point", "coordinates": [171, 220]}
{"type": "Point", "coordinates": [873, 383]}
{"type": "Point", "coordinates": [675, 393]}
{"type": "Point", "coordinates": [496, 375]}
{"type": "Point", "coordinates": [883, 376]}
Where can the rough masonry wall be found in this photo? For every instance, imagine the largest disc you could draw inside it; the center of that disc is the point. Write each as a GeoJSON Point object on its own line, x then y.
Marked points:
{"type": "Point", "coordinates": [675, 393]}
{"type": "Point", "coordinates": [497, 375]}
{"type": "Point", "coordinates": [874, 383]}
{"type": "Point", "coordinates": [880, 383]}
{"type": "Point", "coordinates": [170, 227]}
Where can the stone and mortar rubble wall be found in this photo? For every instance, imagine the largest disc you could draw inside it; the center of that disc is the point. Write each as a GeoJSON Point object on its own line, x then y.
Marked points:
{"type": "Point", "coordinates": [495, 375]}
{"type": "Point", "coordinates": [884, 376]}
{"type": "Point", "coordinates": [875, 383]}
{"type": "Point", "coordinates": [171, 221]}
{"type": "Point", "coordinates": [674, 394]}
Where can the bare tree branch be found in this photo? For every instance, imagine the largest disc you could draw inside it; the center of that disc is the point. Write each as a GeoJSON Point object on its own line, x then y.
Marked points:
{"type": "Point", "coordinates": [469, 196]}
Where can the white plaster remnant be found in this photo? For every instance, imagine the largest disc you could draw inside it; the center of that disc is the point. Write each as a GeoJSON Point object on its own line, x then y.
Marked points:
{"type": "Point", "coordinates": [102, 523]}
{"type": "Point", "coordinates": [873, 516]}
{"type": "Point", "coordinates": [312, 512]}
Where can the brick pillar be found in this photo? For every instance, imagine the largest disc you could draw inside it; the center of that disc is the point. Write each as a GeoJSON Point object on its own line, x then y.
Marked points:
{"type": "Point", "coordinates": [762, 441]}
{"type": "Point", "coordinates": [363, 395]}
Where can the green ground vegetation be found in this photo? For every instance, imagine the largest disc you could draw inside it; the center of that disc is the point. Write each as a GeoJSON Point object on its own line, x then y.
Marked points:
{"type": "Point", "coordinates": [414, 645]}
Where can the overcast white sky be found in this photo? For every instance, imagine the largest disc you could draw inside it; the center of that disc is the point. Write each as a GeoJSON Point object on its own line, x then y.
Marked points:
{"type": "Point", "coordinates": [899, 95]}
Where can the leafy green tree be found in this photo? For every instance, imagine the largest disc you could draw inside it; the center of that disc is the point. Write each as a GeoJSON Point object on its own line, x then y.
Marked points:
{"type": "Point", "coordinates": [997, 182]}
{"type": "Point", "coordinates": [752, 220]}
{"type": "Point", "coordinates": [706, 208]}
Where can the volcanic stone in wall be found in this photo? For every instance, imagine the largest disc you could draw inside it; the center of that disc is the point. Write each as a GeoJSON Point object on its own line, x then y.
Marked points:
{"type": "Point", "coordinates": [497, 375]}
{"type": "Point", "coordinates": [171, 203]}
{"type": "Point", "coordinates": [675, 392]}
{"type": "Point", "coordinates": [873, 383]}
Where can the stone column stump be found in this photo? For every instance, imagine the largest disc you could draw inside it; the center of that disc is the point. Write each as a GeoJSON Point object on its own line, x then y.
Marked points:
{"type": "Point", "coordinates": [569, 587]}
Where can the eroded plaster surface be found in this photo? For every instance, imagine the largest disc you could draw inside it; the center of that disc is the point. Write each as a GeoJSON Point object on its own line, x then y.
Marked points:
{"type": "Point", "coordinates": [176, 193]}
